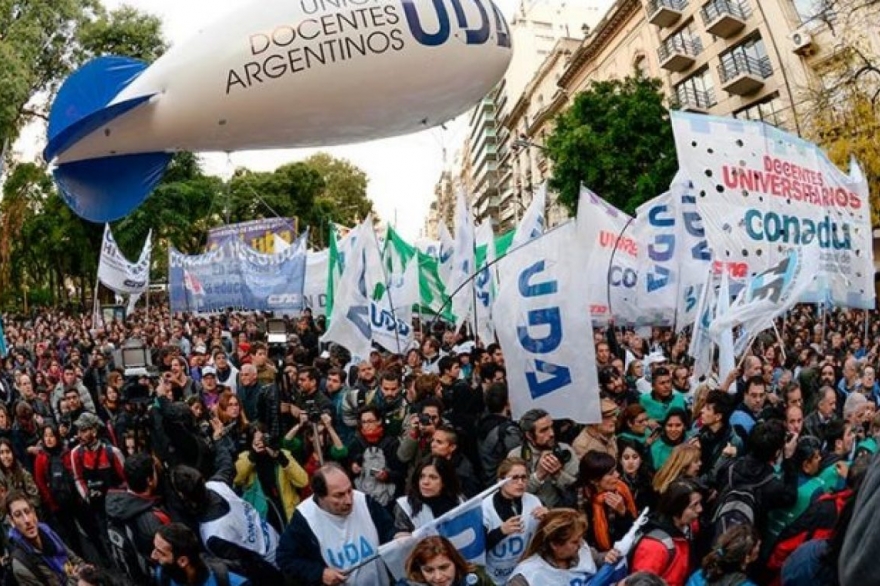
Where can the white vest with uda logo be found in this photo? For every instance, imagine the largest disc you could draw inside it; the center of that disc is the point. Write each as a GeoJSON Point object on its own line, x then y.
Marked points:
{"type": "Point", "coordinates": [501, 559]}
{"type": "Point", "coordinates": [538, 572]}
{"type": "Point", "coordinates": [242, 525]}
{"type": "Point", "coordinates": [347, 541]}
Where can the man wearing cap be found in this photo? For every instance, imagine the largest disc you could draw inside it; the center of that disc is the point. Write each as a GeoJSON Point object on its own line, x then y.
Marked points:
{"type": "Point", "coordinates": [197, 362]}
{"type": "Point", "coordinates": [210, 389]}
{"type": "Point", "coordinates": [652, 362]}
{"type": "Point", "coordinates": [97, 467]}
{"type": "Point", "coordinates": [599, 437]}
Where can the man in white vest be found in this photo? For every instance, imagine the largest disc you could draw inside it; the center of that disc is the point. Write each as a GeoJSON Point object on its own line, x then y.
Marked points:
{"type": "Point", "coordinates": [334, 533]}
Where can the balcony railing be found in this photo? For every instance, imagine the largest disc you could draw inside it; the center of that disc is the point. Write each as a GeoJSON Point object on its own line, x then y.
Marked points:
{"type": "Point", "coordinates": [677, 54]}
{"type": "Point", "coordinates": [725, 18]}
{"type": "Point", "coordinates": [743, 74]}
{"type": "Point", "coordinates": [693, 100]}
{"type": "Point", "coordinates": [664, 13]}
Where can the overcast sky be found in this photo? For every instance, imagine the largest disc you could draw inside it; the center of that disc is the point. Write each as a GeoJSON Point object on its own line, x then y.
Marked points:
{"type": "Point", "coordinates": [402, 171]}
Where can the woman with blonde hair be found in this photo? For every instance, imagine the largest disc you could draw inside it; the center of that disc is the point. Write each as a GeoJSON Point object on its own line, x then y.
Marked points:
{"type": "Point", "coordinates": [436, 562]}
{"type": "Point", "coordinates": [683, 464]}
{"type": "Point", "coordinates": [558, 553]}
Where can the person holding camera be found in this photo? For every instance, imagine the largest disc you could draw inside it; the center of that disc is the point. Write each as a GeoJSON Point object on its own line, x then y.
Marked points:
{"type": "Point", "coordinates": [553, 466]}
{"type": "Point", "coordinates": [269, 478]}
{"type": "Point", "coordinates": [415, 442]}
{"type": "Point", "coordinates": [373, 456]}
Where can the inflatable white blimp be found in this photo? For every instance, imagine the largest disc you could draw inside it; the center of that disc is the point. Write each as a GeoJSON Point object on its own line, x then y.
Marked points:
{"type": "Point", "coordinates": [273, 74]}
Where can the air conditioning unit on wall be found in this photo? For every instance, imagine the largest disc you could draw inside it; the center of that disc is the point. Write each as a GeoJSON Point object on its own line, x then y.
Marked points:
{"type": "Point", "coordinates": [802, 42]}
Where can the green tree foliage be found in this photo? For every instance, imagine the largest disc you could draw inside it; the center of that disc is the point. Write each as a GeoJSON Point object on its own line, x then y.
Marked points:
{"type": "Point", "coordinates": [36, 52]}
{"type": "Point", "coordinates": [125, 31]}
{"type": "Point", "coordinates": [616, 140]}
{"type": "Point", "coordinates": [345, 189]}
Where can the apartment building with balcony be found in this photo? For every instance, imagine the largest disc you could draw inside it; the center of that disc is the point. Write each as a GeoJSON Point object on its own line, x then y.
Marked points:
{"type": "Point", "coordinates": [758, 60]}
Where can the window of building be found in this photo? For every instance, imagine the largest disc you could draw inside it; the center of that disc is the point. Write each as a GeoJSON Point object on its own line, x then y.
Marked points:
{"type": "Point", "coordinates": [685, 39]}
{"type": "Point", "coordinates": [748, 57]}
{"type": "Point", "coordinates": [697, 91]}
{"type": "Point", "coordinates": [768, 109]}
{"type": "Point", "coordinates": [813, 12]}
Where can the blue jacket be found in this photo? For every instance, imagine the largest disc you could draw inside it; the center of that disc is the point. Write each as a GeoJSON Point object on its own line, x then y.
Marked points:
{"type": "Point", "coordinates": [729, 580]}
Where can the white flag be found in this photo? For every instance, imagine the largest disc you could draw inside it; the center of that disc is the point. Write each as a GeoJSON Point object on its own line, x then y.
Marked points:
{"type": "Point", "coordinates": [542, 324]}
{"type": "Point", "coordinates": [117, 273]}
{"type": "Point", "coordinates": [768, 295]}
{"type": "Point", "coordinates": [445, 254]}
{"type": "Point", "coordinates": [700, 348]}
{"type": "Point", "coordinates": [317, 272]}
{"type": "Point", "coordinates": [656, 231]}
{"type": "Point", "coordinates": [463, 266]}
{"type": "Point", "coordinates": [485, 285]}
{"type": "Point", "coordinates": [533, 221]}
{"type": "Point", "coordinates": [351, 326]}
{"type": "Point", "coordinates": [613, 260]}
{"type": "Point", "coordinates": [463, 526]}
{"type": "Point", "coordinates": [726, 356]}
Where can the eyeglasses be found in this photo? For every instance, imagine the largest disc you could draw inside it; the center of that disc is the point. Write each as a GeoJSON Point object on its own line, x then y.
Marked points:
{"type": "Point", "coordinates": [611, 414]}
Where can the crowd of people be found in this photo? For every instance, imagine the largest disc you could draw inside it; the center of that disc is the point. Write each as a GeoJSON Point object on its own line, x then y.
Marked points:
{"type": "Point", "coordinates": [236, 461]}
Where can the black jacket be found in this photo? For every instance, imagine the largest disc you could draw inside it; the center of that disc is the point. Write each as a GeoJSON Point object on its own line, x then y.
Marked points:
{"type": "Point", "coordinates": [142, 514]}
{"type": "Point", "coordinates": [775, 494]}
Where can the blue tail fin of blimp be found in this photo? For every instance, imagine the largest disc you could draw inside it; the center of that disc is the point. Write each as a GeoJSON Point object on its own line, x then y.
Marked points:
{"type": "Point", "coordinates": [108, 188]}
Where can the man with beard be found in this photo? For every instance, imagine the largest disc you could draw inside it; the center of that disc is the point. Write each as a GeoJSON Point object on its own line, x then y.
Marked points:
{"type": "Point", "coordinates": [373, 455]}
{"type": "Point", "coordinates": [361, 393]}
{"type": "Point", "coordinates": [553, 467]}
{"type": "Point", "coordinates": [391, 403]}
{"type": "Point", "coordinates": [38, 555]}
{"type": "Point", "coordinates": [177, 551]}
{"type": "Point", "coordinates": [613, 386]}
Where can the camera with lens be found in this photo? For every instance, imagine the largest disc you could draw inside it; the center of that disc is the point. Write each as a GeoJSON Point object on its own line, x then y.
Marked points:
{"type": "Point", "coordinates": [313, 412]}
{"type": "Point", "coordinates": [425, 419]}
{"type": "Point", "coordinates": [561, 454]}
{"type": "Point", "coordinates": [270, 441]}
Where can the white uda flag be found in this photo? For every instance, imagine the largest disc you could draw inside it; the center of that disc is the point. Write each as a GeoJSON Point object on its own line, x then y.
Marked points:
{"type": "Point", "coordinates": [533, 222]}
{"type": "Point", "coordinates": [463, 265]}
{"type": "Point", "coordinates": [541, 324]}
{"type": "Point", "coordinates": [656, 230]}
{"type": "Point", "coordinates": [463, 526]}
{"type": "Point", "coordinates": [351, 326]}
{"type": "Point", "coordinates": [768, 295]}
{"type": "Point", "coordinates": [445, 254]}
{"type": "Point", "coordinates": [485, 285]}
{"type": "Point", "coordinates": [117, 273]}
{"type": "Point", "coordinates": [700, 348]}
{"type": "Point", "coordinates": [762, 191]}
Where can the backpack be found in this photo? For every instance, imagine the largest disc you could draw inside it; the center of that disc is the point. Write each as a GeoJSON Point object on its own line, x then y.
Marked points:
{"type": "Point", "coordinates": [658, 535]}
{"type": "Point", "coordinates": [125, 555]}
{"type": "Point", "coordinates": [60, 481]}
{"type": "Point", "coordinates": [736, 506]}
{"type": "Point", "coordinates": [493, 448]}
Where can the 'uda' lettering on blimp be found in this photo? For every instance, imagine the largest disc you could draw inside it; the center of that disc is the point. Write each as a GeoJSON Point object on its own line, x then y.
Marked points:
{"type": "Point", "coordinates": [273, 74]}
{"type": "Point", "coordinates": [546, 319]}
{"type": "Point", "coordinates": [475, 34]}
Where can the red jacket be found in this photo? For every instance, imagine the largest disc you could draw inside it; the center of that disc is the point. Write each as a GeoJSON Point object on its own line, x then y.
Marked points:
{"type": "Point", "coordinates": [41, 477]}
{"type": "Point", "coordinates": [653, 554]}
